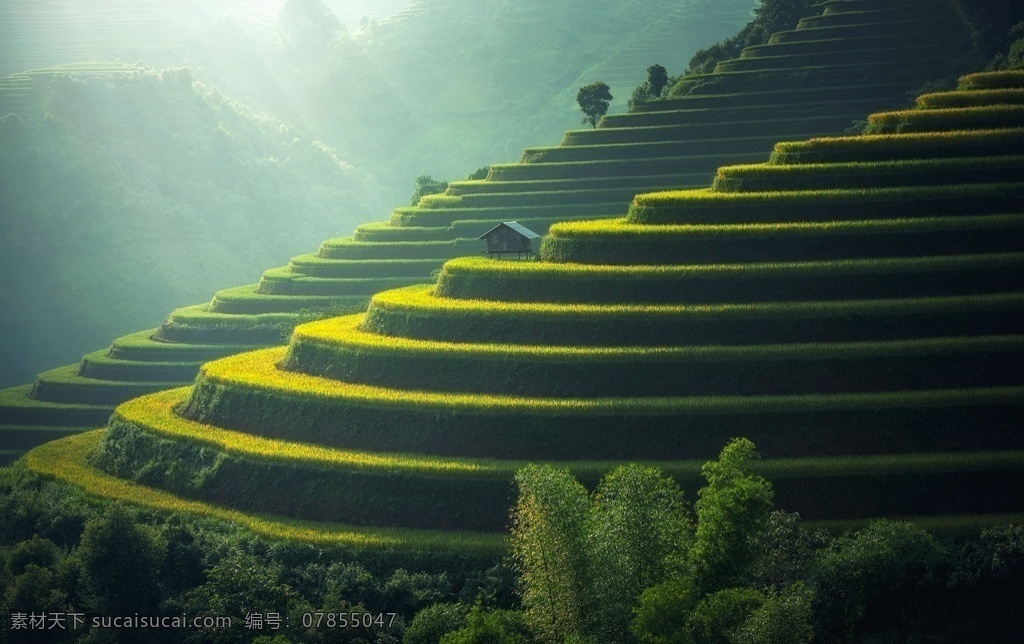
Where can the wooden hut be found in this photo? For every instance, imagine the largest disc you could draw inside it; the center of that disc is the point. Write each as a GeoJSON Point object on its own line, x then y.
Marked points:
{"type": "Point", "coordinates": [509, 237]}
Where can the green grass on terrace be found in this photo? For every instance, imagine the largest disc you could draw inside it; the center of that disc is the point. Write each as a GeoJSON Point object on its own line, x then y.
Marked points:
{"type": "Point", "coordinates": [101, 366]}
{"type": "Point", "coordinates": [340, 351]}
{"type": "Point", "coordinates": [726, 144]}
{"type": "Point", "coordinates": [947, 118]}
{"type": "Point", "coordinates": [249, 393]}
{"type": "Point", "coordinates": [248, 300]}
{"type": "Point", "coordinates": [66, 461]}
{"type": "Point", "coordinates": [858, 16]}
{"type": "Point", "coordinates": [689, 164]}
{"type": "Point", "coordinates": [65, 385]}
{"type": "Point", "coordinates": [480, 267]}
{"type": "Point", "coordinates": [896, 28]}
{"type": "Point", "coordinates": [921, 145]}
{"type": "Point", "coordinates": [860, 43]}
{"type": "Point", "coordinates": [201, 315]}
{"type": "Point", "coordinates": [863, 174]}
{"type": "Point", "coordinates": [636, 244]}
{"type": "Point", "coordinates": [385, 232]}
{"type": "Point", "coordinates": [198, 325]}
{"type": "Point", "coordinates": [752, 281]}
{"type": "Point", "coordinates": [879, 55]}
{"type": "Point", "coordinates": [968, 98]}
{"type": "Point", "coordinates": [345, 333]}
{"type": "Point", "coordinates": [421, 300]}
{"type": "Point", "coordinates": [448, 216]}
{"type": "Point", "coordinates": [465, 188]}
{"type": "Point", "coordinates": [347, 248]}
{"type": "Point", "coordinates": [142, 347]}
{"type": "Point", "coordinates": [313, 266]}
{"type": "Point", "coordinates": [707, 206]}
{"type": "Point", "coordinates": [154, 414]}
{"type": "Point", "coordinates": [993, 80]}
{"type": "Point", "coordinates": [556, 198]}
{"type": "Point", "coordinates": [623, 229]}
{"type": "Point", "coordinates": [257, 371]}
{"type": "Point", "coordinates": [415, 313]}
{"type": "Point", "coordinates": [754, 128]}
{"type": "Point", "coordinates": [774, 100]}
{"type": "Point", "coordinates": [18, 408]}
{"type": "Point", "coordinates": [725, 82]}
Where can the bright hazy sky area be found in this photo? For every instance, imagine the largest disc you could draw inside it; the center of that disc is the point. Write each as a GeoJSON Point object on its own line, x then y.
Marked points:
{"type": "Point", "coordinates": [41, 33]}
{"type": "Point", "coordinates": [348, 12]}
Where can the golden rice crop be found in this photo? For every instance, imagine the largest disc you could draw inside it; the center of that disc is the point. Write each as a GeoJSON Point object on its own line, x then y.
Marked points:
{"type": "Point", "coordinates": [200, 315]}
{"type": "Point", "coordinates": [155, 413]}
{"type": "Point", "coordinates": [981, 80]}
{"type": "Point", "coordinates": [620, 228]}
{"type": "Point", "coordinates": [345, 332]}
{"type": "Point", "coordinates": [899, 141]}
{"type": "Point", "coordinates": [970, 97]}
{"type": "Point", "coordinates": [257, 371]}
{"type": "Point", "coordinates": [420, 299]}
{"type": "Point", "coordinates": [65, 460]}
{"type": "Point", "coordinates": [943, 164]}
{"type": "Point", "coordinates": [707, 197]}
{"type": "Point", "coordinates": [534, 270]}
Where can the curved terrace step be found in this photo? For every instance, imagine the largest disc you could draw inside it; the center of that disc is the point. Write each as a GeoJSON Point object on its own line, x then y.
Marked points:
{"type": "Point", "coordinates": [762, 177]}
{"type": "Point", "coordinates": [248, 300]}
{"type": "Point", "coordinates": [709, 207]}
{"type": "Point", "coordinates": [618, 242]}
{"type": "Point", "coordinates": [447, 493]}
{"type": "Point", "coordinates": [339, 350]}
{"type": "Point", "coordinates": [756, 281]}
{"type": "Point", "coordinates": [248, 393]}
{"type": "Point", "coordinates": [65, 385]}
{"type": "Point", "coordinates": [415, 313]}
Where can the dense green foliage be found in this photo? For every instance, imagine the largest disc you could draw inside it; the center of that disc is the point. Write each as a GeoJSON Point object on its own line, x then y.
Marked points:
{"type": "Point", "coordinates": [769, 17]}
{"type": "Point", "coordinates": [594, 100]}
{"type": "Point", "coordinates": [628, 564]}
{"type": "Point", "coordinates": [657, 78]}
{"type": "Point", "coordinates": [60, 552]}
{"type": "Point", "coordinates": [426, 185]}
{"type": "Point", "coordinates": [890, 578]}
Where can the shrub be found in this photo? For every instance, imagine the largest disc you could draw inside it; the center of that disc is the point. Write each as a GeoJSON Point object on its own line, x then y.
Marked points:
{"type": "Point", "coordinates": [426, 185]}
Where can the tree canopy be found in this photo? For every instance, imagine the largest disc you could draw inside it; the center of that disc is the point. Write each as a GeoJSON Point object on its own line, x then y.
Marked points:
{"type": "Point", "coordinates": [594, 100]}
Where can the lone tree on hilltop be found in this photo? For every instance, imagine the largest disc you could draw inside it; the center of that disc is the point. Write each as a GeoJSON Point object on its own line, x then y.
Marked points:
{"type": "Point", "coordinates": [594, 100]}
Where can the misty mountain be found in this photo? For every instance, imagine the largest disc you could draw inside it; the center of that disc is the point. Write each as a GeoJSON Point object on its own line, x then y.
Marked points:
{"type": "Point", "coordinates": [127, 191]}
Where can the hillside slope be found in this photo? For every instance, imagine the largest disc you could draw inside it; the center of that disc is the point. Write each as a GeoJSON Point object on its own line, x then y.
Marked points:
{"type": "Point", "coordinates": [853, 306]}
{"type": "Point", "coordinates": [125, 189]}
{"type": "Point", "coordinates": [155, 147]}
{"type": "Point", "coordinates": [674, 143]}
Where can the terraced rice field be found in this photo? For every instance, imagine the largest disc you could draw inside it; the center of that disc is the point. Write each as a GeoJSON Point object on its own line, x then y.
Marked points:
{"type": "Point", "coordinates": [879, 379]}
{"type": "Point", "coordinates": [726, 117]}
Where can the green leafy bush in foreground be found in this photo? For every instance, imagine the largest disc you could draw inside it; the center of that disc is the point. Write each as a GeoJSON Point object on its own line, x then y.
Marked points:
{"type": "Point", "coordinates": [630, 562]}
